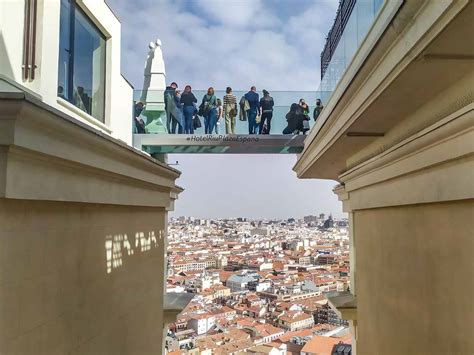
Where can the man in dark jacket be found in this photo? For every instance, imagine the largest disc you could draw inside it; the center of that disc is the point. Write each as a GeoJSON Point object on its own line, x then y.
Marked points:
{"type": "Point", "coordinates": [253, 99]}
{"type": "Point", "coordinates": [170, 106]}
{"type": "Point", "coordinates": [317, 109]}
{"type": "Point", "coordinates": [266, 111]}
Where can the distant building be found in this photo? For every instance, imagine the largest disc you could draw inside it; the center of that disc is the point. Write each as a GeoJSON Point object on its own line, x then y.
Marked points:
{"type": "Point", "coordinates": [310, 218]}
{"type": "Point", "coordinates": [240, 282]}
{"type": "Point", "coordinates": [295, 320]}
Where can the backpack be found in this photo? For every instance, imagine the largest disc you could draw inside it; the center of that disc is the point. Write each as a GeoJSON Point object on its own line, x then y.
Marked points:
{"type": "Point", "coordinates": [205, 106]}
{"type": "Point", "coordinates": [230, 110]}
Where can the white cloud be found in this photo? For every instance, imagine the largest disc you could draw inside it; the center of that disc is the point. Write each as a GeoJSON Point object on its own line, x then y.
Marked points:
{"type": "Point", "coordinates": [238, 13]}
{"type": "Point", "coordinates": [220, 43]}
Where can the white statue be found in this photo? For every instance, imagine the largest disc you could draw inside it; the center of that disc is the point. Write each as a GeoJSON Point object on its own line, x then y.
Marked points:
{"type": "Point", "coordinates": [154, 85]}
{"type": "Point", "coordinates": [154, 75]}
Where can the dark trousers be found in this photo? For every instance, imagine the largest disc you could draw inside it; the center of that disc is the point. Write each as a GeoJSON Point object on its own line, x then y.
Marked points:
{"type": "Point", "coordinates": [174, 124]}
{"type": "Point", "coordinates": [266, 116]}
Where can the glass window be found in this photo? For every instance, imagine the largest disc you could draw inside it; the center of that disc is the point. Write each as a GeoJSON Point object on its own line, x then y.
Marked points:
{"type": "Point", "coordinates": [81, 77]}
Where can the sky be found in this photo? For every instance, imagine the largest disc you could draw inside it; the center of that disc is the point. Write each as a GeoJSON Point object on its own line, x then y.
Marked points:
{"type": "Point", "coordinates": [272, 44]}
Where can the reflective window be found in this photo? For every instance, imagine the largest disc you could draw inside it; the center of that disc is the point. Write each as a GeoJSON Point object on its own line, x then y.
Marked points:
{"type": "Point", "coordinates": [358, 25]}
{"type": "Point", "coordinates": [81, 73]}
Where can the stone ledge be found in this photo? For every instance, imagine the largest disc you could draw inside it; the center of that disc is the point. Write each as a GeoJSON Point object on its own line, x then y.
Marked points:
{"type": "Point", "coordinates": [173, 304]}
{"type": "Point", "coordinates": [344, 304]}
{"type": "Point", "coordinates": [73, 162]}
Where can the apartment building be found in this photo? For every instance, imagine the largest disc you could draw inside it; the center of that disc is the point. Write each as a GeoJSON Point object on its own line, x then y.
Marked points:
{"type": "Point", "coordinates": [83, 215]}
{"type": "Point", "coordinates": [397, 135]}
{"type": "Point", "coordinates": [294, 320]}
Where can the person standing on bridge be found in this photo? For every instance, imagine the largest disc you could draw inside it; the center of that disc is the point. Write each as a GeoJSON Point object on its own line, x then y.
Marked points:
{"type": "Point", "coordinates": [170, 106]}
{"type": "Point", "coordinates": [188, 100]}
{"type": "Point", "coordinates": [253, 99]}
{"type": "Point", "coordinates": [266, 108]}
{"type": "Point", "coordinates": [317, 109]}
{"type": "Point", "coordinates": [219, 115]}
{"type": "Point", "coordinates": [230, 111]}
{"type": "Point", "coordinates": [208, 109]}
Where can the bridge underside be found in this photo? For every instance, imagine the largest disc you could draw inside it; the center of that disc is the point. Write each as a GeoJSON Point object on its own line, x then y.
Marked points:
{"type": "Point", "coordinates": [215, 144]}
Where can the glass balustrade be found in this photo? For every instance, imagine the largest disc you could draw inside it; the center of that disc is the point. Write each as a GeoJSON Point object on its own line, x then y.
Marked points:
{"type": "Point", "coordinates": [360, 21]}
{"type": "Point", "coordinates": [153, 132]}
{"type": "Point", "coordinates": [154, 120]}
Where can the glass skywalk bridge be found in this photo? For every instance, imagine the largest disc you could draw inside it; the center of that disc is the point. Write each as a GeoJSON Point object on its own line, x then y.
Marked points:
{"type": "Point", "coordinates": [158, 140]}
{"type": "Point", "coordinates": [353, 21]}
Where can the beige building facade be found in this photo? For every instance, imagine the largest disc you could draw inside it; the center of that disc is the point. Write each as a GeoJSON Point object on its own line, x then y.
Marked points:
{"type": "Point", "coordinates": [397, 135]}
{"type": "Point", "coordinates": [83, 215]}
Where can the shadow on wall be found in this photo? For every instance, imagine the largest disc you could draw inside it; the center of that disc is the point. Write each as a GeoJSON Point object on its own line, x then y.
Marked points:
{"type": "Point", "coordinates": [5, 64]}
{"type": "Point", "coordinates": [118, 247]}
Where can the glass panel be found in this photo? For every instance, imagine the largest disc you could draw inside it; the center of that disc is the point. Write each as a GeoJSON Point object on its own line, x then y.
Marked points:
{"type": "Point", "coordinates": [350, 35]}
{"type": "Point", "coordinates": [81, 73]}
{"type": "Point", "coordinates": [357, 27]}
{"type": "Point", "coordinates": [150, 115]}
{"type": "Point", "coordinates": [64, 50]}
{"type": "Point", "coordinates": [365, 17]}
{"type": "Point", "coordinates": [89, 67]}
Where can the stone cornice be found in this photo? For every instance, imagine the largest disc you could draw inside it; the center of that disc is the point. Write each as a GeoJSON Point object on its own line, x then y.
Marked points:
{"type": "Point", "coordinates": [46, 154]}
{"type": "Point", "coordinates": [367, 78]}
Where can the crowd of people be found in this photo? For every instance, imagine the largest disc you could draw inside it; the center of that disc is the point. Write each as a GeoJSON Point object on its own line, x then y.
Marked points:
{"type": "Point", "coordinates": [183, 114]}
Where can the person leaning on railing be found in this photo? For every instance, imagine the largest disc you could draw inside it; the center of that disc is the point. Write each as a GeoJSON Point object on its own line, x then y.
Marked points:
{"type": "Point", "coordinates": [230, 111]}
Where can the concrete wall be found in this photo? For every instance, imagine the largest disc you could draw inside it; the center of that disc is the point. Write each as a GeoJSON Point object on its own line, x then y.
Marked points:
{"type": "Point", "coordinates": [415, 267]}
{"type": "Point", "coordinates": [71, 283]}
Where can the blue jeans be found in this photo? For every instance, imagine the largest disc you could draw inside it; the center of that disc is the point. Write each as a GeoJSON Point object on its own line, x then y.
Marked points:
{"type": "Point", "coordinates": [210, 122]}
{"type": "Point", "coordinates": [252, 116]}
{"type": "Point", "coordinates": [188, 112]}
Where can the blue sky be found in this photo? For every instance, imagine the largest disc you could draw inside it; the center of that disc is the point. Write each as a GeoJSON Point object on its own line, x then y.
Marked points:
{"type": "Point", "coordinates": [273, 44]}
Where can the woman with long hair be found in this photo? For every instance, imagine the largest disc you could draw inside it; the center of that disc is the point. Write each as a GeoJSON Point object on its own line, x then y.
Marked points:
{"type": "Point", "coordinates": [209, 105]}
{"type": "Point", "coordinates": [188, 100]}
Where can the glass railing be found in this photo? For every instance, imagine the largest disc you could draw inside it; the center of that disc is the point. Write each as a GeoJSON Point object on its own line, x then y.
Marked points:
{"type": "Point", "coordinates": [361, 19]}
{"type": "Point", "coordinates": [152, 118]}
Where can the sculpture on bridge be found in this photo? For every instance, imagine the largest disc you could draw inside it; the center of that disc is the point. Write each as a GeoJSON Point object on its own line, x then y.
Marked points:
{"type": "Point", "coordinates": [154, 85]}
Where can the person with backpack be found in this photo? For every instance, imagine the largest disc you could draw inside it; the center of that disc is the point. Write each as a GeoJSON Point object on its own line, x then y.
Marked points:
{"type": "Point", "coordinates": [266, 111]}
{"type": "Point", "coordinates": [230, 111]}
{"type": "Point", "coordinates": [188, 100]}
{"type": "Point", "coordinates": [208, 110]}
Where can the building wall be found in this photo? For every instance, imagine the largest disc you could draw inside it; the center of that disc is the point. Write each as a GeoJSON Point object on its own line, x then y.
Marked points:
{"type": "Point", "coordinates": [118, 93]}
{"type": "Point", "coordinates": [415, 267]}
{"type": "Point", "coordinates": [63, 292]}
